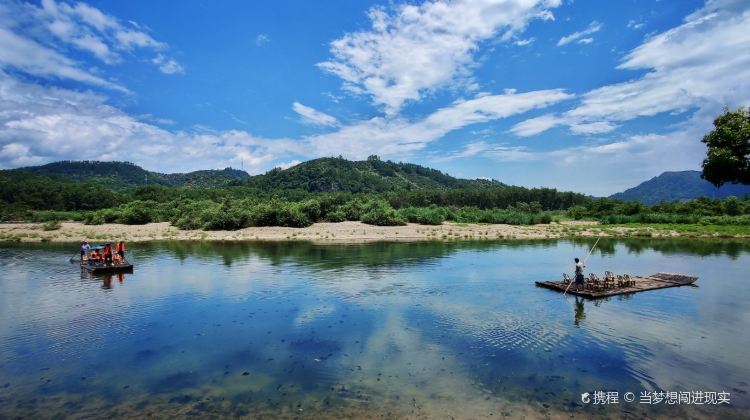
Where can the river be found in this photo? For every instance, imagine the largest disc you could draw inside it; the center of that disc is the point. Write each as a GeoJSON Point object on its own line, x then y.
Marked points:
{"type": "Point", "coordinates": [427, 329]}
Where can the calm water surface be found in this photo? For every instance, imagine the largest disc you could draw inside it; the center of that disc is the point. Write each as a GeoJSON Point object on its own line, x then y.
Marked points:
{"type": "Point", "coordinates": [394, 329]}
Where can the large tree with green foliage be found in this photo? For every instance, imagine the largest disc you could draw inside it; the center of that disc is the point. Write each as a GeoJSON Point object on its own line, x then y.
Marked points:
{"type": "Point", "coordinates": [728, 157]}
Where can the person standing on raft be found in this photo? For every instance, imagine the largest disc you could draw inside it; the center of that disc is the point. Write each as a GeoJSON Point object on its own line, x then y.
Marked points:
{"type": "Point", "coordinates": [84, 250]}
{"type": "Point", "coordinates": [579, 273]}
{"type": "Point", "coordinates": [120, 248]}
{"type": "Point", "coordinates": [108, 254]}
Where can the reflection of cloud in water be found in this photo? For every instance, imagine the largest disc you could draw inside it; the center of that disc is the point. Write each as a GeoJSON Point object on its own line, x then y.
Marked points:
{"type": "Point", "coordinates": [502, 330]}
{"type": "Point", "coordinates": [399, 365]}
{"type": "Point", "coordinates": [672, 353]}
{"type": "Point", "coordinates": [312, 313]}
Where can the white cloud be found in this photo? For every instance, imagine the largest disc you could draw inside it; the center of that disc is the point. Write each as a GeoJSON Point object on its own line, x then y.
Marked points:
{"type": "Point", "coordinates": [56, 124]}
{"type": "Point", "coordinates": [262, 39]}
{"type": "Point", "coordinates": [83, 27]}
{"type": "Point", "coordinates": [415, 49]}
{"type": "Point", "coordinates": [397, 136]}
{"type": "Point", "coordinates": [702, 64]}
{"type": "Point", "coordinates": [592, 128]}
{"type": "Point", "coordinates": [585, 41]}
{"type": "Point", "coordinates": [632, 24]}
{"type": "Point", "coordinates": [534, 126]}
{"type": "Point", "coordinates": [313, 116]}
{"type": "Point", "coordinates": [685, 71]}
{"type": "Point", "coordinates": [41, 124]}
{"type": "Point", "coordinates": [167, 65]}
{"type": "Point", "coordinates": [592, 28]}
{"type": "Point", "coordinates": [28, 56]}
{"type": "Point", "coordinates": [129, 39]}
{"type": "Point", "coordinates": [95, 46]}
{"type": "Point", "coordinates": [525, 42]}
{"type": "Point", "coordinates": [538, 125]}
{"type": "Point", "coordinates": [501, 152]}
{"type": "Point", "coordinates": [287, 165]}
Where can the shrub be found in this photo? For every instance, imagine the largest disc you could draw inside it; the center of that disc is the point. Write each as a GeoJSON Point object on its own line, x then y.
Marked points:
{"type": "Point", "coordinates": [424, 216]}
{"type": "Point", "coordinates": [577, 212]}
{"type": "Point", "coordinates": [380, 213]}
{"type": "Point", "coordinates": [51, 225]}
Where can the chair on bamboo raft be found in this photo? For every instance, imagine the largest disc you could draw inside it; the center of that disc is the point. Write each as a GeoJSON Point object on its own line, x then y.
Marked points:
{"type": "Point", "coordinates": [594, 283]}
{"type": "Point", "coordinates": [609, 280]}
{"type": "Point", "coordinates": [566, 278]}
{"type": "Point", "coordinates": [628, 281]}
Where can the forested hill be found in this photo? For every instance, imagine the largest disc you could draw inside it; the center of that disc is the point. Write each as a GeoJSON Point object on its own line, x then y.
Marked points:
{"type": "Point", "coordinates": [369, 176]}
{"type": "Point", "coordinates": [679, 186]}
{"type": "Point", "coordinates": [121, 175]}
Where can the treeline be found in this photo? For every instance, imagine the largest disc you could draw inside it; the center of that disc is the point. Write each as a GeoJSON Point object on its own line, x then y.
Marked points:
{"type": "Point", "coordinates": [729, 211]}
{"type": "Point", "coordinates": [242, 204]}
{"type": "Point", "coordinates": [491, 198]}
{"type": "Point", "coordinates": [231, 214]}
{"type": "Point", "coordinates": [20, 192]}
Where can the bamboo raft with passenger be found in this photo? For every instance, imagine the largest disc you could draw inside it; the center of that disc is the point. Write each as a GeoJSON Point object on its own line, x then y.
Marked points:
{"type": "Point", "coordinates": [611, 285]}
{"type": "Point", "coordinates": [103, 268]}
{"type": "Point", "coordinates": [96, 262]}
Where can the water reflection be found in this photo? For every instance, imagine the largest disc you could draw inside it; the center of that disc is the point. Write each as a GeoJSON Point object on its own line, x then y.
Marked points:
{"type": "Point", "coordinates": [411, 329]}
{"type": "Point", "coordinates": [580, 313]}
{"type": "Point", "coordinates": [106, 279]}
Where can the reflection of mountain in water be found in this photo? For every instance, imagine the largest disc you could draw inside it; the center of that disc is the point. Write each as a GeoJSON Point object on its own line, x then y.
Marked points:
{"type": "Point", "coordinates": [328, 256]}
{"type": "Point", "coordinates": [699, 247]}
{"type": "Point", "coordinates": [389, 254]}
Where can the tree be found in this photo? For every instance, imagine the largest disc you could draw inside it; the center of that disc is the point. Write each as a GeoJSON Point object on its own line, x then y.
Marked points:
{"type": "Point", "coordinates": [728, 156]}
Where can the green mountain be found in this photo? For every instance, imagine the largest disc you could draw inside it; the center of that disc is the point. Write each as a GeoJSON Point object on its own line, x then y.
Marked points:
{"type": "Point", "coordinates": [120, 175]}
{"type": "Point", "coordinates": [372, 175]}
{"type": "Point", "coordinates": [680, 186]}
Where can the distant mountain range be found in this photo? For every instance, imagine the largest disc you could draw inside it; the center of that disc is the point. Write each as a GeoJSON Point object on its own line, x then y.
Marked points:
{"type": "Point", "coordinates": [371, 175]}
{"type": "Point", "coordinates": [682, 185]}
{"type": "Point", "coordinates": [318, 175]}
{"type": "Point", "coordinates": [337, 174]}
{"type": "Point", "coordinates": [121, 175]}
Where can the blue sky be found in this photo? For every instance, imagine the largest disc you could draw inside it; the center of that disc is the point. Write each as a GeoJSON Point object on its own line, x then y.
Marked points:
{"type": "Point", "coordinates": [579, 95]}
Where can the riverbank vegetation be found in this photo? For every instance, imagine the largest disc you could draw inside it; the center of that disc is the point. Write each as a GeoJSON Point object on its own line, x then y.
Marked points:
{"type": "Point", "coordinates": [375, 192]}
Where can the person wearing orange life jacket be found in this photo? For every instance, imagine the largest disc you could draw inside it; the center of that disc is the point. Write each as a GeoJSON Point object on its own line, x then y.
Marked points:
{"type": "Point", "coordinates": [120, 249]}
{"type": "Point", "coordinates": [108, 254]}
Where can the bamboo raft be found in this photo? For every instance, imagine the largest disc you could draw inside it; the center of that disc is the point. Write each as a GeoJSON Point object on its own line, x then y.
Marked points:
{"type": "Point", "coordinates": [642, 284]}
{"type": "Point", "coordinates": [101, 268]}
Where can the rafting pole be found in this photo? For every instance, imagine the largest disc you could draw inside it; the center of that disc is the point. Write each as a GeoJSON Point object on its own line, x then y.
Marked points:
{"type": "Point", "coordinates": [584, 263]}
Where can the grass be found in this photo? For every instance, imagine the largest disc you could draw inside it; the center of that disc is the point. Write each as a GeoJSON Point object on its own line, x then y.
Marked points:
{"type": "Point", "coordinates": [692, 229]}
{"type": "Point", "coordinates": [51, 225]}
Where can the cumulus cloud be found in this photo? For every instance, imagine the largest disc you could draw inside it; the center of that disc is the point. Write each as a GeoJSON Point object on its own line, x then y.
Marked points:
{"type": "Point", "coordinates": [399, 136]}
{"type": "Point", "coordinates": [313, 116]}
{"type": "Point", "coordinates": [41, 124]}
{"type": "Point", "coordinates": [593, 27]}
{"type": "Point", "coordinates": [414, 49]}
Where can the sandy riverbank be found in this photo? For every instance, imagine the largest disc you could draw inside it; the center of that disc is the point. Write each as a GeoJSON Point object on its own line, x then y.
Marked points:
{"type": "Point", "coordinates": [351, 232]}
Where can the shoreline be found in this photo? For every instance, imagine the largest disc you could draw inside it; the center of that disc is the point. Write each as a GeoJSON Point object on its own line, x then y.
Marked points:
{"type": "Point", "coordinates": [357, 232]}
